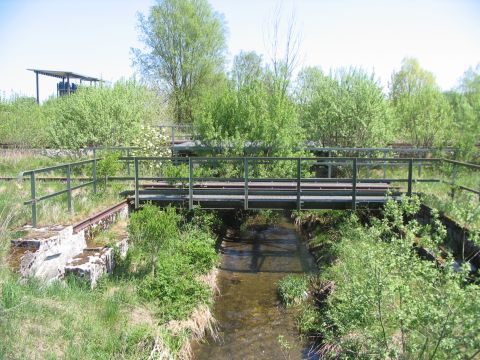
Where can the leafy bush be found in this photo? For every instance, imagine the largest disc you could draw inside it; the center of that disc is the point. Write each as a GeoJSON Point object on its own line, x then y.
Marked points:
{"type": "Point", "coordinates": [388, 302]}
{"type": "Point", "coordinates": [205, 220]}
{"type": "Point", "coordinates": [198, 248]}
{"type": "Point", "coordinates": [293, 289]}
{"type": "Point", "coordinates": [346, 108]}
{"type": "Point", "coordinates": [177, 256]}
{"type": "Point", "coordinates": [151, 141]}
{"type": "Point", "coordinates": [174, 288]}
{"type": "Point", "coordinates": [101, 116]}
{"type": "Point", "coordinates": [153, 229]}
{"type": "Point", "coordinates": [22, 122]}
{"type": "Point", "coordinates": [108, 166]}
{"type": "Point", "coordinates": [253, 114]}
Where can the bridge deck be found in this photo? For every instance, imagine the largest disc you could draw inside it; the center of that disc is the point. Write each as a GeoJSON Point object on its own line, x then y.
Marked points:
{"type": "Point", "coordinates": [266, 195]}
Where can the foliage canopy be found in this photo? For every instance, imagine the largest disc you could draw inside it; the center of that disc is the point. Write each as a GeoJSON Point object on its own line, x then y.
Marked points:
{"type": "Point", "coordinates": [185, 46]}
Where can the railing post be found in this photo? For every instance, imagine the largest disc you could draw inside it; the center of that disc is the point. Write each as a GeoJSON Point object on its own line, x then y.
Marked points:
{"type": "Point", "coordinates": [299, 177]}
{"type": "Point", "coordinates": [329, 164]}
{"type": "Point", "coordinates": [190, 183]}
{"type": "Point", "coordinates": [369, 156]}
{"type": "Point", "coordinates": [137, 197]}
{"type": "Point", "coordinates": [384, 164]}
{"type": "Point", "coordinates": [354, 184]}
{"type": "Point", "coordinates": [34, 201]}
{"type": "Point", "coordinates": [69, 188]}
{"type": "Point", "coordinates": [419, 156]}
{"type": "Point", "coordinates": [454, 176]}
{"type": "Point", "coordinates": [173, 135]}
{"type": "Point", "coordinates": [94, 172]}
{"type": "Point", "coordinates": [410, 175]}
{"type": "Point", "coordinates": [128, 162]}
{"type": "Point", "coordinates": [245, 172]}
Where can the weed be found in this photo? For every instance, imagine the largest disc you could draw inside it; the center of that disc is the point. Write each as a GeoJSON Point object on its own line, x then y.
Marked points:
{"type": "Point", "coordinates": [293, 289]}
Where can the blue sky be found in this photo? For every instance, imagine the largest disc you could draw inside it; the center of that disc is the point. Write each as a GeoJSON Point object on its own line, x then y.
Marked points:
{"type": "Point", "coordinates": [94, 37]}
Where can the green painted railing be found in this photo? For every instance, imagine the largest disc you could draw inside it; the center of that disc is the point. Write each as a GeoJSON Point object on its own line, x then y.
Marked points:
{"type": "Point", "coordinates": [34, 200]}
{"type": "Point", "coordinates": [321, 161]}
{"type": "Point", "coordinates": [247, 163]}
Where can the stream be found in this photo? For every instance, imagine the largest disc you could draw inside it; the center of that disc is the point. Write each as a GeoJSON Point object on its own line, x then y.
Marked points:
{"type": "Point", "coordinates": [250, 315]}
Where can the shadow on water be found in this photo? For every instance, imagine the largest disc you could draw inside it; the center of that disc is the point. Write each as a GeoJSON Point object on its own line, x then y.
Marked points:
{"type": "Point", "coordinates": [250, 317]}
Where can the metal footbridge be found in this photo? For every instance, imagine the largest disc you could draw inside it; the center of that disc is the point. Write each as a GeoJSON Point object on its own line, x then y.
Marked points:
{"type": "Point", "coordinates": [256, 182]}
{"type": "Point", "coordinates": [304, 189]}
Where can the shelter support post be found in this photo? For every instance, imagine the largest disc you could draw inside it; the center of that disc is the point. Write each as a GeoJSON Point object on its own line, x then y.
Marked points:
{"type": "Point", "coordinates": [38, 91]}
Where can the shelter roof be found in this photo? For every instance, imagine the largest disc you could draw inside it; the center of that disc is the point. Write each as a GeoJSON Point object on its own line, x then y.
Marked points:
{"type": "Point", "coordinates": [65, 74]}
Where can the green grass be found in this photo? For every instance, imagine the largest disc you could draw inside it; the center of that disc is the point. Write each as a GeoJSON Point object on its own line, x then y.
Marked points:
{"type": "Point", "coordinates": [54, 210]}
{"type": "Point", "coordinates": [125, 317]}
{"type": "Point", "coordinates": [70, 321]}
{"type": "Point", "coordinates": [15, 161]}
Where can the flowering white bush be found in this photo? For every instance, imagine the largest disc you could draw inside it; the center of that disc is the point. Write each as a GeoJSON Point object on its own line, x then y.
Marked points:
{"type": "Point", "coordinates": [152, 141]}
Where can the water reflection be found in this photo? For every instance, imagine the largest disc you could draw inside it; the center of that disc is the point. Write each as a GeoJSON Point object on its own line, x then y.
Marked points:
{"type": "Point", "coordinates": [250, 315]}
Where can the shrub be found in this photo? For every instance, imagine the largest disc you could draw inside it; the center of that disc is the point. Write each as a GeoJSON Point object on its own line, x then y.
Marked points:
{"type": "Point", "coordinates": [388, 302]}
{"type": "Point", "coordinates": [22, 122]}
{"type": "Point", "coordinates": [293, 289]}
{"type": "Point", "coordinates": [198, 248]}
{"type": "Point", "coordinates": [174, 288]}
{"type": "Point", "coordinates": [108, 166]}
{"type": "Point", "coordinates": [152, 229]}
{"type": "Point", "coordinates": [101, 116]}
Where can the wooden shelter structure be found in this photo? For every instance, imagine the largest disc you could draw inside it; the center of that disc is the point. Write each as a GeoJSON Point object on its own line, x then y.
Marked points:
{"type": "Point", "coordinates": [64, 87]}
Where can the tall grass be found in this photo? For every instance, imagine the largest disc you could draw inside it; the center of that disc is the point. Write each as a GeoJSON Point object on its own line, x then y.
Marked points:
{"type": "Point", "coordinates": [132, 314]}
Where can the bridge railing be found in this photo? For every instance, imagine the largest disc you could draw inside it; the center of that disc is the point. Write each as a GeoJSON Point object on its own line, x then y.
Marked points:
{"type": "Point", "coordinates": [178, 133]}
{"type": "Point", "coordinates": [68, 170]}
{"type": "Point", "coordinates": [189, 175]}
{"type": "Point", "coordinates": [246, 171]}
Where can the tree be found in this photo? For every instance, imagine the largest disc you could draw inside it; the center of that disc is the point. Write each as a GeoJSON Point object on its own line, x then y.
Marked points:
{"type": "Point", "coordinates": [465, 123]}
{"type": "Point", "coordinates": [283, 48]}
{"type": "Point", "coordinates": [346, 108]}
{"type": "Point", "coordinates": [247, 67]}
{"type": "Point", "coordinates": [184, 51]}
{"type": "Point", "coordinates": [422, 112]}
{"type": "Point", "coordinates": [465, 103]}
{"type": "Point", "coordinates": [470, 85]}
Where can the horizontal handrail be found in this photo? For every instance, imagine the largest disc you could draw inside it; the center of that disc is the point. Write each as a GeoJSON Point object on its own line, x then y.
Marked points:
{"type": "Point", "coordinates": [462, 163]}
{"type": "Point", "coordinates": [56, 167]}
{"type": "Point", "coordinates": [270, 158]}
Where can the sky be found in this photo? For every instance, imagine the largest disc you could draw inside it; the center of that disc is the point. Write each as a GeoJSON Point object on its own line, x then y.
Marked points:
{"type": "Point", "coordinates": [94, 37]}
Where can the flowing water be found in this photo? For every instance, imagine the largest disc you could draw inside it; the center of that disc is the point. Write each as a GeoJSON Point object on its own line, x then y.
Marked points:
{"type": "Point", "coordinates": [251, 319]}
